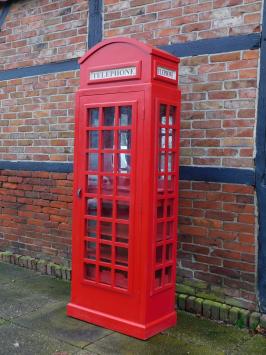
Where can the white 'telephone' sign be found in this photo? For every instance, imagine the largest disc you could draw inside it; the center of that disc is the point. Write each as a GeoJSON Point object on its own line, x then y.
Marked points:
{"type": "Point", "coordinates": [166, 73]}
{"type": "Point", "coordinates": [113, 73]}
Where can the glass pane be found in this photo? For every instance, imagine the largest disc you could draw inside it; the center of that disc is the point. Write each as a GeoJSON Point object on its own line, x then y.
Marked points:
{"type": "Point", "coordinates": [170, 182]}
{"type": "Point", "coordinates": [108, 139]}
{"type": "Point", "coordinates": [122, 211]}
{"type": "Point", "coordinates": [158, 278]}
{"type": "Point", "coordinates": [169, 230]}
{"type": "Point", "coordinates": [162, 138]}
{"type": "Point", "coordinates": [124, 163]}
{"type": "Point", "coordinates": [93, 117]}
{"type": "Point", "coordinates": [121, 279]}
{"type": "Point", "coordinates": [172, 115]}
{"type": "Point", "coordinates": [106, 230]}
{"type": "Point", "coordinates": [161, 179]}
{"type": "Point", "coordinates": [160, 208]}
{"type": "Point", "coordinates": [108, 116]}
{"type": "Point", "coordinates": [168, 274]}
{"type": "Point", "coordinates": [159, 255]}
{"type": "Point", "coordinates": [90, 250]}
{"type": "Point", "coordinates": [161, 162]}
{"type": "Point", "coordinates": [108, 162]}
{"type": "Point", "coordinates": [169, 252]}
{"type": "Point", "coordinates": [121, 256]}
{"type": "Point", "coordinates": [125, 113]}
{"type": "Point", "coordinates": [170, 139]}
{"type": "Point", "coordinates": [159, 236]}
{"type": "Point", "coordinates": [170, 207]}
{"type": "Point", "coordinates": [91, 228]}
{"type": "Point", "coordinates": [123, 185]}
{"type": "Point", "coordinates": [163, 114]}
{"type": "Point", "coordinates": [92, 161]}
{"type": "Point", "coordinates": [107, 185]}
{"type": "Point", "coordinates": [105, 253]}
{"type": "Point", "coordinates": [125, 139]}
{"type": "Point", "coordinates": [93, 139]}
{"type": "Point", "coordinates": [90, 272]}
{"type": "Point", "coordinates": [105, 275]}
{"type": "Point", "coordinates": [106, 208]}
{"type": "Point", "coordinates": [92, 183]}
{"type": "Point", "coordinates": [92, 206]}
{"type": "Point", "coordinates": [170, 162]}
{"type": "Point", "coordinates": [122, 233]}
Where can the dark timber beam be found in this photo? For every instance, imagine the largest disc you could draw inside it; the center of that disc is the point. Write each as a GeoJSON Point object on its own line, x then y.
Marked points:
{"type": "Point", "coordinates": [214, 45]}
{"type": "Point", "coordinates": [190, 173]}
{"type": "Point", "coordinates": [4, 12]}
{"type": "Point", "coordinates": [95, 22]}
{"type": "Point", "coordinates": [261, 170]}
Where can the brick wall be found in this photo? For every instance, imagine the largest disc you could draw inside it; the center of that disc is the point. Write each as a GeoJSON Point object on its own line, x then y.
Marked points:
{"type": "Point", "coordinates": [35, 212]}
{"type": "Point", "coordinates": [217, 226]}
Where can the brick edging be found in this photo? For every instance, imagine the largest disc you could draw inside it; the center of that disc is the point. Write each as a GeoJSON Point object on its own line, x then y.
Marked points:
{"type": "Point", "coordinates": [240, 317]}
{"type": "Point", "coordinates": [43, 266]}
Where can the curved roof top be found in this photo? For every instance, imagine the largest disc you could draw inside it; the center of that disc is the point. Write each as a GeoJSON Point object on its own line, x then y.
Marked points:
{"type": "Point", "coordinates": [144, 47]}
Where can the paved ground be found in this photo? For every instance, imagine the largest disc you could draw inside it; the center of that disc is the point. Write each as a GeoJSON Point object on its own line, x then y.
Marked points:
{"type": "Point", "coordinates": [33, 322]}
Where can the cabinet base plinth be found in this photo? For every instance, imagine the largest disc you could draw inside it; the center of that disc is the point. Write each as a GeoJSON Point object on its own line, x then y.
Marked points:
{"type": "Point", "coordinates": [140, 331]}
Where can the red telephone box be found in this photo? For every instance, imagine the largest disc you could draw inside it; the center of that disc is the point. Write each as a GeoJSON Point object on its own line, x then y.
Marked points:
{"type": "Point", "coordinates": [126, 188]}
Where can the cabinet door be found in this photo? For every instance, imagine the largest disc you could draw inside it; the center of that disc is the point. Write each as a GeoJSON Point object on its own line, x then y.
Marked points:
{"type": "Point", "coordinates": [107, 152]}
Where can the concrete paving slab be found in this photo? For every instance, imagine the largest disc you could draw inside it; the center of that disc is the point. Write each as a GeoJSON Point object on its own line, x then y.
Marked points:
{"type": "Point", "coordinates": [17, 301]}
{"type": "Point", "coordinates": [10, 273]}
{"type": "Point", "coordinates": [52, 320]}
{"type": "Point", "coordinates": [16, 340]}
{"type": "Point", "coordinates": [199, 331]}
{"type": "Point", "coordinates": [118, 344]}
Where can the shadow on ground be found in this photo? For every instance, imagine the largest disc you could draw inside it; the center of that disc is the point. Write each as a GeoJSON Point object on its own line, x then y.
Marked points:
{"type": "Point", "coordinates": [33, 321]}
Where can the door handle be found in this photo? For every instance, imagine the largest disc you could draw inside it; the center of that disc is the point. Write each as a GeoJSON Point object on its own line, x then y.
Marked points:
{"type": "Point", "coordinates": [79, 192]}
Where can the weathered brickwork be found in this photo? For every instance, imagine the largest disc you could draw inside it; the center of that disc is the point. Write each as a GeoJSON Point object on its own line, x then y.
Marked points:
{"type": "Point", "coordinates": [217, 240]}
{"type": "Point", "coordinates": [171, 21]}
{"type": "Point", "coordinates": [35, 212]}
{"type": "Point", "coordinates": [219, 109]}
{"type": "Point", "coordinates": [42, 31]}
{"type": "Point", "coordinates": [37, 117]}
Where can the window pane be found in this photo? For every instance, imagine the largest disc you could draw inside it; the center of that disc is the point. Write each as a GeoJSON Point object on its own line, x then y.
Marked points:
{"type": "Point", "coordinates": [90, 272]}
{"type": "Point", "coordinates": [93, 139]}
{"type": "Point", "coordinates": [91, 228]}
{"type": "Point", "coordinates": [158, 278]}
{"type": "Point", "coordinates": [162, 138]}
{"type": "Point", "coordinates": [169, 252]}
{"type": "Point", "coordinates": [162, 162]}
{"type": "Point", "coordinates": [105, 253]}
{"type": "Point", "coordinates": [93, 162]}
{"type": "Point", "coordinates": [121, 279]}
{"type": "Point", "coordinates": [168, 274]}
{"type": "Point", "coordinates": [108, 116]}
{"type": "Point", "coordinates": [93, 117]}
{"type": "Point", "coordinates": [172, 115]}
{"type": "Point", "coordinates": [122, 233]}
{"type": "Point", "coordinates": [121, 256]}
{"type": "Point", "coordinates": [122, 211]}
{"type": "Point", "coordinates": [92, 183]}
{"type": "Point", "coordinates": [106, 230]}
{"type": "Point", "coordinates": [108, 162]}
{"type": "Point", "coordinates": [160, 208]}
{"type": "Point", "coordinates": [106, 208]}
{"type": "Point", "coordinates": [92, 206]}
{"type": "Point", "coordinates": [90, 250]}
{"type": "Point", "coordinates": [108, 139]}
{"type": "Point", "coordinates": [123, 185]}
{"type": "Point", "coordinates": [159, 255]}
{"type": "Point", "coordinates": [107, 185]}
{"type": "Point", "coordinates": [159, 236]}
{"type": "Point", "coordinates": [125, 139]}
{"type": "Point", "coordinates": [105, 275]}
{"type": "Point", "coordinates": [163, 114]}
{"type": "Point", "coordinates": [124, 163]}
{"type": "Point", "coordinates": [125, 115]}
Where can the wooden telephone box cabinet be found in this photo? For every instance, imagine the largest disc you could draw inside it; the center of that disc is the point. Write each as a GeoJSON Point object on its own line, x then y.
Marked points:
{"type": "Point", "coordinates": [126, 188]}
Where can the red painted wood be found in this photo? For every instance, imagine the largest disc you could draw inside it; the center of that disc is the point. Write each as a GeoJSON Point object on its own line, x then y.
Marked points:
{"type": "Point", "coordinates": [126, 189]}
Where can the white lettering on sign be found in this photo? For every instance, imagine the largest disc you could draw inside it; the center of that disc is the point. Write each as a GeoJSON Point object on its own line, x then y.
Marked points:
{"type": "Point", "coordinates": [166, 73]}
{"type": "Point", "coordinates": [113, 73]}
